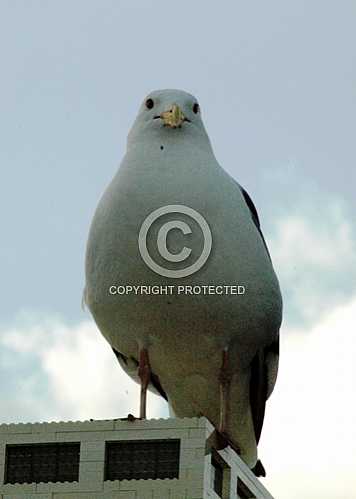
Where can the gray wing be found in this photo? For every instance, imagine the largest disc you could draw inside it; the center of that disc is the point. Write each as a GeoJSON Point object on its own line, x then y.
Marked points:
{"type": "Point", "coordinates": [254, 215]}
{"type": "Point", "coordinates": [264, 367]}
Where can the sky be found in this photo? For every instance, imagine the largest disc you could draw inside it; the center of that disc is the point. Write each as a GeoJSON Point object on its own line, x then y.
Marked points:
{"type": "Point", "coordinates": [276, 83]}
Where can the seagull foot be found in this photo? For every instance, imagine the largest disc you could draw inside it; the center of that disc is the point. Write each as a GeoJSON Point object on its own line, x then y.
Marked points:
{"type": "Point", "coordinates": [221, 440]}
{"type": "Point", "coordinates": [130, 417]}
{"type": "Point", "coordinates": [144, 373]}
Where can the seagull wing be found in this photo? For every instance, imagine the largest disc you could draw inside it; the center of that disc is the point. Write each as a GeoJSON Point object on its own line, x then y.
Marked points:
{"type": "Point", "coordinates": [264, 366]}
{"type": "Point", "coordinates": [254, 215]}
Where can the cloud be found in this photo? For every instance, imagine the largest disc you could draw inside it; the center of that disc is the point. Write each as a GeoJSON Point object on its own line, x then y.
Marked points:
{"type": "Point", "coordinates": [68, 372]}
{"type": "Point", "coordinates": [327, 243]}
{"type": "Point", "coordinates": [309, 438]}
{"type": "Point", "coordinates": [313, 248]}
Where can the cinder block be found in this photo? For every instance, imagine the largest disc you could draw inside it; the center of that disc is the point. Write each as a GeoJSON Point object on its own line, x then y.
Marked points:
{"type": "Point", "coordinates": [196, 474]}
{"type": "Point", "coordinates": [157, 423]}
{"type": "Point", "coordinates": [203, 422]}
{"type": "Point", "coordinates": [128, 495]}
{"type": "Point", "coordinates": [74, 436]}
{"type": "Point", "coordinates": [179, 493]}
{"type": "Point", "coordinates": [180, 433]}
{"type": "Point", "coordinates": [196, 493]}
{"type": "Point", "coordinates": [80, 495]}
{"type": "Point", "coordinates": [192, 443]}
{"type": "Point", "coordinates": [209, 428]}
{"type": "Point", "coordinates": [51, 427]}
{"type": "Point", "coordinates": [57, 487]}
{"type": "Point", "coordinates": [75, 426]}
{"type": "Point", "coordinates": [95, 477]}
{"type": "Point", "coordinates": [29, 438]}
{"type": "Point", "coordinates": [187, 457]}
{"type": "Point", "coordinates": [142, 434]}
{"type": "Point", "coordinates": [91, 456]}
{"type": "Point", "coordinates": [92, 466]}
{"type": "Point", "coordinates": [161, 493]}
{"type": "Point", "coordinates": [18, 488]}
{"type": "Point", "coordinates": [15, 428]}
{"type": "Point", "coordinates": [145, 494]}
{"type": "Point", "coordinates": [160, 485]}
{"type": "Point", "coordinates": [2, 452]}
{"type": "Point", "coordinates": [110, 485]}
{"type": "Point", "coordinates": [197, 433]}
{"type": "Point", "coordinates": [85, 495]}
{"type": "Point", "coordinates": [100, 436]}
{"type": "Point", "coordinates": [148, 434]}
{"type": "Point", "coordinates": [27, 496]}
{"type": "Point", "coordinates": [95, 446]}
{"type": "Point", "coordinates": [200, 453]}
{"type": "Point", "coordinates": [88, 485]}
{"type": "Point", "coordinates": [131, 484]}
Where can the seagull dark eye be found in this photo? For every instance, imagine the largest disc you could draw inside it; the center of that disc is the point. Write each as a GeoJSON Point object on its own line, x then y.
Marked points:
{"type": "Point", "coordinates": [196, 108]}
{"type": "Point", "coordinates": [149, 103]}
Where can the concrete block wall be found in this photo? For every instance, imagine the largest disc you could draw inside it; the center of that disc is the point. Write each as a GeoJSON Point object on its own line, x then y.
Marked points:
{"type": "Point", "coordinates": [194, 480]}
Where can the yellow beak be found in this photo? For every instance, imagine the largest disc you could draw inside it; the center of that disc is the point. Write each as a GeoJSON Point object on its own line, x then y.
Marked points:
{"type": "Point", "coordinates": [173, 117]}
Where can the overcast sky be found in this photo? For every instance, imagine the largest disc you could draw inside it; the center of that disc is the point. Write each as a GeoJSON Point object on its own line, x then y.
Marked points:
{"type": "Point", "coordinates": [276, 82]}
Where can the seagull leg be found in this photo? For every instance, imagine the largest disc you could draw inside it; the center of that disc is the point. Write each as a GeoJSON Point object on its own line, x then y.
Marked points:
{"type": "Point", "coordinates": [144, 372]}
{"type": "Point", "coordinates": [224, 381]}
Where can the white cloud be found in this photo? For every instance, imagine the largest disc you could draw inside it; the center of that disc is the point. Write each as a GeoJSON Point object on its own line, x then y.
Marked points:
{"type": "Point", "coordinates": [327, 243]}
{"type": "Point", "coordinates": [81, 371]}
{"type": "Point", "coordinates": [309, 439]}
{"type": "Point", "coordinates": [315, 259]}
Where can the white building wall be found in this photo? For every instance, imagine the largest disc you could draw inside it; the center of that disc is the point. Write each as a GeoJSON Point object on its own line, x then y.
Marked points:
{"type": "Point", "coordinates": [194, 480]}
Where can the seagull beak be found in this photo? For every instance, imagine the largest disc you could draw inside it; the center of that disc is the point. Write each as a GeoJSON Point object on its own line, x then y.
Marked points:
{"type": "Point", "coordinates": [173, 117]}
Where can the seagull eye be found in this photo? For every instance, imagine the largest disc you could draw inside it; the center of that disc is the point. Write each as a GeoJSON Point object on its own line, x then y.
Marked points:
{"type": "Point", "coordinates": [149, 103]}
{"type": "Point", "coordinates": [196, 108]}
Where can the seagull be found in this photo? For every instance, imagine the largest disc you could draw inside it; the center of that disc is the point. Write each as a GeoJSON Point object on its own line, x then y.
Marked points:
{"type": "Point", "coordinates": [174, 221]}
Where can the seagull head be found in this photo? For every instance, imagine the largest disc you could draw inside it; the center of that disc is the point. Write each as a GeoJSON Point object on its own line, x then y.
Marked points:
{"type": "Point", "coordinates": [168, 114]}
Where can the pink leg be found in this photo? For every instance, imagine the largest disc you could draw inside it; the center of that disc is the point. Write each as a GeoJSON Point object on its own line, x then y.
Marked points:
{"type": "Point", "coordinates": [224, 380]}
{"type": "Point", "coordinates": [144, 372]}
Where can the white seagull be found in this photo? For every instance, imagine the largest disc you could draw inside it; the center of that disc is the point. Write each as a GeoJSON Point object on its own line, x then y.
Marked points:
{"type": "Point", "coordinates": [206, 349]}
